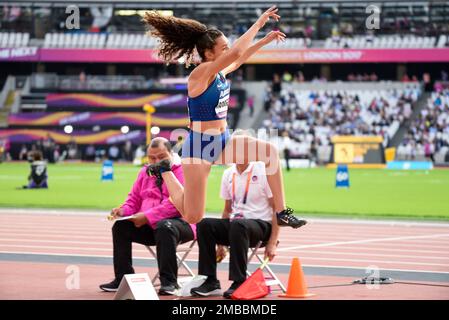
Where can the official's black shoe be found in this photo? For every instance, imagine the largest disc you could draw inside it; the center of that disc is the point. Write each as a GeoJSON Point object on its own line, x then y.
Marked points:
{"type": "Point", "coordinates": [286, 218]}
{"type": "Point", "coordinates": [208, 288]}
{"type": "Point", "coordinates": [234, 286]}
{"type": "Point", "coordinates": [111, 286]}
{"type": "Point", "coordinates": [168, 290]}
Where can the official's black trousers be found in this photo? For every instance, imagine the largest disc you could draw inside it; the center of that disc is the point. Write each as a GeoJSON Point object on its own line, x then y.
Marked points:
{"type": "Point", "coordinates": [167, 235]}
{"type": "Point", "coordinates": [239, 235]}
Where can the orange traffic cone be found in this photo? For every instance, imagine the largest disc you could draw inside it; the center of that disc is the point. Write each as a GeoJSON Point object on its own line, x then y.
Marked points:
{"type": "Point", "coordinates": [297, 287]}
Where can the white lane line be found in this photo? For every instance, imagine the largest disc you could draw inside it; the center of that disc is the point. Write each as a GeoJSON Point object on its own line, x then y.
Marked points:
{"type": "Point", "coordinates": [332, 244]}
{"type": "Point", "coordinates": [107, 228]}
{"type": "Point", "coordinates": [102, 221]}
{"type": "Point", "coordinates": [324, 226]}
{"type": "Point", "coordinates": [56, 228]}
{"type": "Point", "coordinates": [325, 253]}
{"type": "Point", "coordinates": [303, 257]}
{"type": "Point", "coordinates": [194, 253]}
{"type": "Point", "coordinates": [304, 237]}
{"type": "Point", "coordinates": [310, 219]}
{"type": "Point", "coordinates": [104, 224]}
{"type": "Point", "coordinates": [53, 231]}
{"type": "Point", "coordinates": [328, 253]}
{"type": "Point", "coordinates": [389, 249]}
{"type": "Point", "coordinates": [33, 239]}
{"type": "Point", "coordinates": [314, 243]}
{"type": "Point", "coordinates": [59, 235]}
{"type": "Point", "coordinates": [51, 212]}
{"type": "Point", "coordinates": [4, 246]}
{"type": "Point", "coordinates": [370, 225]}
{"type": "Point", "coordinates": [194, 261]}
{"type": "Point", "coordinates": [55, 247]}
{"type": "Point", "coordinates": [377, 261]}
{"type": "Point", "coordinates": [58, 241]}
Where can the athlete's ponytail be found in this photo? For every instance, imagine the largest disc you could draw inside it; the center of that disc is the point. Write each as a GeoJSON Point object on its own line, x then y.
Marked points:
{"type": "Point", "coordinates": [179, 37]}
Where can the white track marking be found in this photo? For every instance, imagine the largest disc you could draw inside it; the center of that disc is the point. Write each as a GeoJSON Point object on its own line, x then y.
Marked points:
{"type": "Point", "coordinates": [193, 261]}
{"type": "Point", "coordinates": [63, 212]}
{"type": "Point", "coordinates": [332, 244]}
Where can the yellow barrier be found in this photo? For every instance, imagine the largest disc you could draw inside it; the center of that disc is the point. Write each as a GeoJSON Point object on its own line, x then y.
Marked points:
{"type": "Point", "coordinates": [390, 154]}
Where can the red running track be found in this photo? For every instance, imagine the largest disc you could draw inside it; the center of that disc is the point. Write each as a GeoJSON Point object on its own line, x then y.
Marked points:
{"type": "Point", "coordinates": [323, 243]}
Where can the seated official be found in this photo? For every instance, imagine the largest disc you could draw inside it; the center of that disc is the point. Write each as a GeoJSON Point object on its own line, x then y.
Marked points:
{"type": "Point", "coordinates": [248, 217]}
{"type": "Point", "coordinates": [156, 222]}
{"type": "Point", "coordinates": [38, 175]}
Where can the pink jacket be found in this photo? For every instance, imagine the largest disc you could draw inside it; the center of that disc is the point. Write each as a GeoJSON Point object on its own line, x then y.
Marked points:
{"type": "Point", "coordinates": [145, 197]}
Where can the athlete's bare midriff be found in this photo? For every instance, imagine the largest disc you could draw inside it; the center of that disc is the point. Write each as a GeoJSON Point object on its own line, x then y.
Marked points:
{"type": "Point", "coordinates": [210, 127]}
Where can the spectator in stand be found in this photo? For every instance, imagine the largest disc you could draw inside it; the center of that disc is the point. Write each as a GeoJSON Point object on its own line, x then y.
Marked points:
{"type": "Point", "coordinates": [128, 151]}
{"type": "Point", "coordinates": [428, 134]}
{"type": "Point", "coordinates": [427, 82]}
{"type": "Point", "coordinates": [429, 150]}
{"type": "Point", "coordinates": [2, 150]}
{"type": "Point", "coordinates": [250, 102]}
{"type": "Point", "coordinates": [72, 149]}
{"type": "Point", "coordinates": [5, 147]}
{"type": "Point", "coordinates": [276, 86]}
{"type": "Point", "coordinates": [114, 153]}
{"type": "Point", "coordinates": [49, 146]}
{"type": "Point", "coordinates": [90, 153]}
{"type": "Point", "coordinates": [82, 78]}
{"type": "Point", "coordinates": [31, 152]}
{"type": "Point", "coordinates": [57, 153]}
{"type": "Point", "coordinates": [267, 99]}
{"type": "Point", "coordinates": [299, 77]}
{"type": "Point", "coordinates": [23, 153]}
{"type": "Point", "coordinates": [286, 145]}
{"type": "Point", "coordinates": [40, 145]}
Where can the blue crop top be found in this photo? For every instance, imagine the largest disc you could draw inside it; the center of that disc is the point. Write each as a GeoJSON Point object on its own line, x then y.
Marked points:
{"type": "Point", "coordinates": [212, 104]}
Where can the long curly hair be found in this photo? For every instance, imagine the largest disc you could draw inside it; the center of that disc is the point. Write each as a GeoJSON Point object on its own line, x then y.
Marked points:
{"type": "Point", "coordinates": [180, 37]}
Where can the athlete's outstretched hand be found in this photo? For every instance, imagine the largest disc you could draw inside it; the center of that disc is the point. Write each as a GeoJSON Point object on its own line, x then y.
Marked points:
{"type": "Point", "coordinates": [273, 35]}
{"type": "Point", "coordinates": [270, 13]}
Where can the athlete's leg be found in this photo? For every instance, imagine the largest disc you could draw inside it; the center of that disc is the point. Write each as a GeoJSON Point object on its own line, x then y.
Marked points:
{"type": "Point", "coordinates": [190, 199]}
{"type": "Point", "coordinates": [244, 149]}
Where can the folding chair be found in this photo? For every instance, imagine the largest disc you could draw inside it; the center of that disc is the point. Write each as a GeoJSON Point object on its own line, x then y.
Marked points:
{"type": "Point", "coordinates": [181, 254]}
{"type": "Point", "coordinates": [273, 280]}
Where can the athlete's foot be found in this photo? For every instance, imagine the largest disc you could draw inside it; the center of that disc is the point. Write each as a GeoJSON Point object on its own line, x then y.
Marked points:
{"type": "Point", "coordinates": [286, 218]}
{"type": "Point", "coordinates": [164, 165]}
{"type": "Point", "coordinates": [156, 170]}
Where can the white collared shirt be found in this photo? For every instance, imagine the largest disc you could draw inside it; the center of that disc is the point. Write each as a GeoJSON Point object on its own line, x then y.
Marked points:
{"type": "Point", "coordinates": [257, 204]}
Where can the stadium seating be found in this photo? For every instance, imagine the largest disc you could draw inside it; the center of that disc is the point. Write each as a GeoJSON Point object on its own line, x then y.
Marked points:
{"type": "Point", "coordinates": [429, 133]}
{"type": "Point", "coordinates": [390, 42]}
{"type": "Point", "coordinates": [313, 117]}
{"type": "Point", "coordinates": [14, 39]}
{"type": "Point", "coordinates": [141, 40]}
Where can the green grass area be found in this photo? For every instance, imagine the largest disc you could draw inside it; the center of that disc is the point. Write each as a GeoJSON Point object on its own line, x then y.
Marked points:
{"type": "Point", "coordinates": [373, 192]}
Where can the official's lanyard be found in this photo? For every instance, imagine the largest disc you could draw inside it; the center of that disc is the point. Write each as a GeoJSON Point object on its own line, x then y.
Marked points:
{"type": "Point", "coordinates": [248, 179]}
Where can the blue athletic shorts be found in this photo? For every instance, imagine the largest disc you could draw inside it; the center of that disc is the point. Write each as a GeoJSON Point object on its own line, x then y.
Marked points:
{"type": "Point", "coordinates": [204, 146]}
